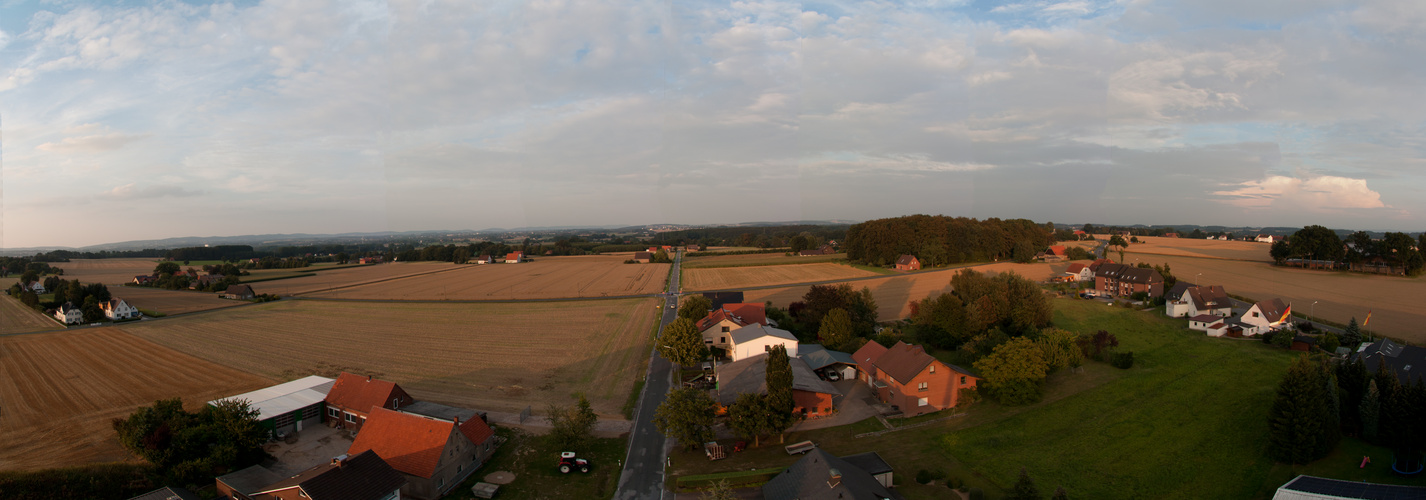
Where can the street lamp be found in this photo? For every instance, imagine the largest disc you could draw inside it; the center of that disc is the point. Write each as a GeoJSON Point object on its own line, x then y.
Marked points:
{"type": "Point", "coordinates": [1312, 312]}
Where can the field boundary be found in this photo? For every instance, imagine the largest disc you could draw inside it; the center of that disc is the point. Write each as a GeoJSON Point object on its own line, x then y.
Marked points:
{"type": "Point", "coordinates": [372, 282]}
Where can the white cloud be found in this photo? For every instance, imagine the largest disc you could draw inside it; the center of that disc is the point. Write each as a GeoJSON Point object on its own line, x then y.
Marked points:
{"type": "Point", "coordinates": [91, 143]}
{"type": "Point", "coordinates": [1317, 194]}
{"type": "Point", "coordinates": [133, 191]}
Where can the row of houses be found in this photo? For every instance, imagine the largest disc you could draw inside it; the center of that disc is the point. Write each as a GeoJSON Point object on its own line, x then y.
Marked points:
{"type": "Point", "coordinates": [114, 310]}
{"type": "Point", "coordinates": [510, 258]}
{"type": "Point", "coordinates": [431, 448]}
{"type": "Point", "coordinates": [1117, 280]}
{"type": "Point", "coordinates": [1209, 309]}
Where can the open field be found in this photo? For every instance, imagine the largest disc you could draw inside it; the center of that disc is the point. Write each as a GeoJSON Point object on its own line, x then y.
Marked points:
{"type": "Point", "coordinates": [1395, 301]}
{"type": "Point", "coordinates": [106, 271]}
{"type": "Point", "coordinates": [894, 293]}
{"type": "Point", "coordinates": [171, 301]}
{"type": "Point", "coordinates": [543, 278]}
{"type": "Point", "coordinates": [348, 277]}
{"type": "Point", "coordinates": [723, 278]}
{"type": "Point", "coordinates": [756, 259]}
{"type": "Point", "coordinates": [1186, 247]}
{"type": "Point", "coordinates": [59, 390]}
{"type": "Point", "coordinates": [16, 318]}
{"type": "Point", "coordinates": [486, 356]}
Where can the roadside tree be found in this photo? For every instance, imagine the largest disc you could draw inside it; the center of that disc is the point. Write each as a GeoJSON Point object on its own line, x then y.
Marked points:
{"type": "Point", "coordinates": [687, 415]}
{"type": "Point", "coordinates": [682, 343]}
{"type": "Point", "coordinates": [695, 307]}
{"type": "Point", "coordinates": [750, 416]}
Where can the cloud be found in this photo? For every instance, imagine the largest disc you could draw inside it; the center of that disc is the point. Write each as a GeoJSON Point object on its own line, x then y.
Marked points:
{"type": "Point", "coordinates": [1318, 194]}
{"type": "Point", "coordinates": [91, 143]}
{"type": "Point", "coordinates": [132, 191]}
{"type": "Point", "coordinates": [909, 164]}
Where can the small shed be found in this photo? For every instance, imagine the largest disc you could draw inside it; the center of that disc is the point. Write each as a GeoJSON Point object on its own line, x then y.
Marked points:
{"type": "Point", "coordinates": [239, 292]}
{"type": "Point", "coordinates": [872, 464]}
{"type": "Point", "coordinates": [289, 406]}
{"type": "Point", "coordinates": [823, 361]}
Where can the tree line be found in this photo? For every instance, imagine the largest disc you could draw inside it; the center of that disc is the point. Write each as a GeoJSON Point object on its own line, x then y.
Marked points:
{"type": "Point", "coordinates": [85, 297]}
{"type": "Point", "coordinates": [1317, 403]}
{"type": "Point", "coordinates": [1319, 243]}
{"type": "Point", "coordinates": [760, 237]}
{"type": "Point", "coordinates": [940, 240]}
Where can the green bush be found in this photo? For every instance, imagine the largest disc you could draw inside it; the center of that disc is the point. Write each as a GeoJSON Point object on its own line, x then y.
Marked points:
{"type": "Point", "coordinates": [976, 494]}
{"type": "Point", "coordinates": [1122, 360]}
{"type": "Point", "coordinates": [923, 476]}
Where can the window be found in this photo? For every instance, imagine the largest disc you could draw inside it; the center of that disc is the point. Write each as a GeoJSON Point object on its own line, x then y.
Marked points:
{"type": "Point", "coordinates": [351, 418]}
{"type": "Point", "coordinates": [440, 481]}
{"type": "Point", "coordinates": [722, 340]}
{"type": "Point", "coordinates": [923, 402]}
{"type": "Point", "coordinates": [459, 468]}
{"type": "Point", "coordinates": [725, 329]}
{"type": "Point", "coordinates": [1255, 314]}
{"type": "Point", "coordinates": [921, 386]}
{"type": "Point", "coordinates": [933, 368]}
{"type": "Point", "coordinates": [963, 380]}
{"type": "Point", "coordinates": [334, 413]}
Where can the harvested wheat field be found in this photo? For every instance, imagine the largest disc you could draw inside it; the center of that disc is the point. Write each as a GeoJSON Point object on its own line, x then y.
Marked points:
{"type": "Point", "coordinates": [59, 390]}
{"type": "Point", "coordinates": [1187, 247]}
{"type": "Point", "coordinates": [486, 356]}
{"type": "Point", "coordinates": [757, 259]}
{"type": "Point", "coordinates": [1395, 301]}
{"type": "Point", "coordinates": [106, 271]}
{"type": "Point", "coordinates": [894, 294]}
{"type": "Point", "coordinates": [724, 278]}
{"type": "Point", "coordinates": [16, 318]}
{"type": "Point", "coordinates": [350, 276]}
{"type": "Point", "coordinates": [543, 278]}
{"type": "Point", "coordinates": [171, 301]}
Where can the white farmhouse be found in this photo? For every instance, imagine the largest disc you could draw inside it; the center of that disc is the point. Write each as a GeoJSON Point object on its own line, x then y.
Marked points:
{"type": "Point", "coordinates": [69, 314]}
{"type": "Point", "coordinates": [756, 339]}
{"type": "Point", "coordinates": [117, 309]}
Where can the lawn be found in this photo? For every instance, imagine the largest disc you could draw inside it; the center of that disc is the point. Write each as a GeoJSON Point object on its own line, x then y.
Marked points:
{"type": "Point", "coordinates": [533, 461]}
{"type": "Point", "coordinates": [1187, 421]}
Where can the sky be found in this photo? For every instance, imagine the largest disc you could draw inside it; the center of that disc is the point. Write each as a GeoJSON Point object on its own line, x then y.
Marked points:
{"type": "Point", "coordinates": [141, 120]}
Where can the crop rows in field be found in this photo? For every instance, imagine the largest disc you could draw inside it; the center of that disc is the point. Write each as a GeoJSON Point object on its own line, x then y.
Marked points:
{"type": "Point", "coordinates": [351, 276]}
{"type": "Point", "coordinates": [544, 278]}
{"type": "Point", "coordinates": [485, 356]}
{"type": "Point", "coordinates": [59, 390]}
{"type": "Point", "coordinates": [106, 271]}
{"type": "Point", "coordinates": [16, 318]}
{"type": "Point", "coordinates": [723, 278]}
{"type": "Point", "coordinates": [757, 259]}
{"type": "Point", "coordinates": [893, 294]}
{"type": "Point", "coordinates": [171, 301]}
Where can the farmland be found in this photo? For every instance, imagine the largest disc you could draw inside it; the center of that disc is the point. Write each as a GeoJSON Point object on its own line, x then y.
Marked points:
{"type": "Point", "coordinates": [487, 356]}
{"type": "Point", "coordinates": [723, 278]}
{"type": "Point", "coordinates": [349, 276]}
{"type": "Point", "coordinates": [16, 318]}
{"type": "Point", "coordinates": [170, 301]}
{"type": "Point", "coordinates": [756, 259]}
{"type": "Point", "coordinates": [543, 278]}
{"type": "Point", "coordinates": [106, 271]}
{"type": "Point", "coordinates": [1217, 249]}
{"type": "Point", "coordinates": [59, 390]}
{"type": "Point", "coordinates": [894, 293]}
{"type": "Point", "coordinates": [1394, 300]}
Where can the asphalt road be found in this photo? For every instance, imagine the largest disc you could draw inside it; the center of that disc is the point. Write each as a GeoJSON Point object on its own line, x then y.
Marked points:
{"type": "Point", "coordinates": [643, 475]}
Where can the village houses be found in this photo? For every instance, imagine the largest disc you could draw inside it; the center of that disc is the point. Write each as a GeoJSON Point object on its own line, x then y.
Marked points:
{"type": "Point", "coordinates": [906, 376]}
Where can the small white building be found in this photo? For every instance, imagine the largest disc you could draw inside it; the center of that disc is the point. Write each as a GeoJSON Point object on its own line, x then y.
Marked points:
{"type": "Point", "coordinates": [69, 314]}
{"type": "Point", "coordinates": [756, 339]}
{"type": "Point", "coordinates": [1267, 315]}
{"type": "Point", "coordinates": [1080, 272]}
{"type": "Point", "coordinates": [1188, 301]}
{"type": "Point", "coordinates": [36, 287]}
{"type": "Point", "coordinates": [117, 309]}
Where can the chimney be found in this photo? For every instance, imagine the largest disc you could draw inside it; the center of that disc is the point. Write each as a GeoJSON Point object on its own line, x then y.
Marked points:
{"type": "Point", "coordinates": [836, 478]}
{"type": "Point", "coordinates": [456, 420]}
{"type": "Point", "coordinates": [340, 460]}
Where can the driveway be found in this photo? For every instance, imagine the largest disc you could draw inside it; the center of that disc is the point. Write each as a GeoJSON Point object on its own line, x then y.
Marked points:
{"type": "Point", "coordinates": [315, 445]}
{"type": "Point", "coordinates": [853, 407]}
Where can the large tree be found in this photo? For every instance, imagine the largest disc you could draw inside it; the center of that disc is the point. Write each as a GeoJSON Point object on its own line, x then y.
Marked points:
{"type": "Point", "coordinates": [1024, 488]}
{"type": "Point", "coordinates": [836, 331]}
{"type": "Point", "coordinates": [166, 267]}
{"type": "Point", "coordinates": [779, 389]}
{"type": "Point", "coordinates": [572, 426]}
{"type": "Point", "coordinates": [751, 417]}
{"type": "Point", "coordinates": [695, 307]}
{"type": "Point", "coordinates": [687, 415]}
{"type": "Point", "coordinates": [188, 446]}
{"type": "Point", "coordinates": [1316, 243]}
{"type": "Point", "coordinates": [1302, 424]}
{"type": "Point", "coordinates": [1013, 372]}
{"type": "Point", "coordinates": [682, 343]}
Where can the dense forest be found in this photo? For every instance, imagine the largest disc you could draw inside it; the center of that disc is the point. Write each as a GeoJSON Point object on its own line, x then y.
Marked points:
{"type": "Point", "coordinates": [940, 240]}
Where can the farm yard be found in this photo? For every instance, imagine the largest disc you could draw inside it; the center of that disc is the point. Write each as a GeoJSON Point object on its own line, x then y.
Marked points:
{"type": "Point", "coordinates": [894, 293]}
{"type": "Point", "coordinates": [16, 318]}
{"type": "Point", "coordinates": [487, 356]}
{"type": "Point", "coordinates": [59, 390]}
{"type": "Point", "coordinates": [350, 276]}
{"type": "Point", "coordinates": [724, 278]}
{"type": "Point", "coordinates": [1216, 249]}
{"type": "Point", "coordinates": [756, 259]}
{"type": "Point", "coordinates": [171, 301]}
{"type": "Point", "coordinates": [543, 278]}
{"type": "Point", "coordinates": [1394, 300]}
{"type": "Point", "coordinates": [106, 271]}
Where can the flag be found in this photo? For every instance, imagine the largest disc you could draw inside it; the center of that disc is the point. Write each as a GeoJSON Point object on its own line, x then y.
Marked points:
{"type": "Point", "coordinates": [1368, 320]}
{"type": "Point", "coordinates": [1285, 313]}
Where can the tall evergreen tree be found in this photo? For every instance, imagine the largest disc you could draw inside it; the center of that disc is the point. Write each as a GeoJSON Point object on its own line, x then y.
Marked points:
{"type": "Point", "coordinates": [1390, 418]}
{"type": "Point", "coordinates": [1352, 335]}
{"type": "Point", "coordinates": [1301, 427]}
{"type": "Point", "coordinates": [1024, 488]}
{"type": "Point", "coordinates": [1352, 378]}
{"type": "Point", "coordinates": [1369, 410]}
{"type": "Point", "coordinates": [779, 389]}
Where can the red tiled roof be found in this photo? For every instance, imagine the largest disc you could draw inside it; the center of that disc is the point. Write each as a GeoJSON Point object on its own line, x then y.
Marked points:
{"type": "Point", "coordinates": [1058, 250]}
{"type": "Point", "coordinates": [1075, 268]}
{"type": "Point", "coordinates": [476, 430]}
{"type": "Point", "coordinates": [739, 313]}
{"type": "Point", "coordinates": [514, 256]}
{"type": "Point", "coordinates": [866, 356]}
{"type": "Point", "coordinates": [362, 393]}
{"type": "Point", "coordinates": [905, 260]}
{"type": "Point", "coordinates": [410, 443]}
{"type": "Point", "coordinates": [903, 361]}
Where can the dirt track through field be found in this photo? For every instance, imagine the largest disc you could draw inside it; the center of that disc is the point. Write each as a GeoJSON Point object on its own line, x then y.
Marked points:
{"type": "Point", "coordinates": [15, 317]}
{"type": "Point", "coordinates": [487, 356]}
{"type": "Point", "coordinates": [544, 278]}
{"type": "Point", "coordinates": [893, 294]}
{"type": "Point", "coordinates": [59, 390]}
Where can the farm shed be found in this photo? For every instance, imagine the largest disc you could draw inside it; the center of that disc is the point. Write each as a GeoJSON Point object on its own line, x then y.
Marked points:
{"type": "Point", "coordinates": [811, 395]}
{"type": "Point", "coordinates": [246, 483]}
{"type": "Point", "coordinates": [290, 406]}
{"type": "Point", "coordinates": [823, 360]}
{"type": "Point", "coordinates": [1319, 488]}
{"type": "Point", "coordinates": [239, 292]}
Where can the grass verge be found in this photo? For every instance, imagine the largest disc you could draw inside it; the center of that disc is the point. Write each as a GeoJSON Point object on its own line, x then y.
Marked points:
{"type": "Point", "coordinates": [533, 460]}
{"type": "Point", "coordinates": [633, 400]}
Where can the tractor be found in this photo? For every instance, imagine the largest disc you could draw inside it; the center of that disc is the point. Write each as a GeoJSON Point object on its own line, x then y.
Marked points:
{"type": "Point", "coordinates": [569, 463]}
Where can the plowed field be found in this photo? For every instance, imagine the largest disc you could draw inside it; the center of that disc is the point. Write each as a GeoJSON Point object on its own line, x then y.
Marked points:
{"type": "Point", "coordinates": [1218, 249]}
{"type": "Point", "coordinates": [170, 301]}
{"type": "Point", "coordinates": [1395, 301]}
{"type": "Point", "coordinates": [486, 356]}
{"type": "Point", "coordinates": [16, 318]}
{"type": "Point", "coordinates": [338, 278]}
{"type": "Point", "coordinates": [893, 294]}
{"type": "Point", "coordinates": [543, 278]}
{"type": "Point", "coordinates": [106, 271]}
{"type": "Point", "coordinates": [59, 390]}
{"type": "Point", "coordinates": [724, 278]}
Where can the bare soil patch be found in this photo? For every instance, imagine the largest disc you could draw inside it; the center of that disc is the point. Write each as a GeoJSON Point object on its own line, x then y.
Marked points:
{"type": "Point", "coordinates": [106, 271]}
{"type": "Point", "coordinates": [742, 277]}
{"type": "Point", "coordinates": [894, 294]}
{"type": "Point", "coordinates": [488, 356]}
{"type": "Point", "coordinates": [15, 317]}
{"type": "Point", "coordinates": [171, 301]}
{"type": "Point", "coordinates": [1187, 247]}
{"type": "Point", "coordinates": [58, 392]}
{"type": "Point", "coordinates": [543, 278]}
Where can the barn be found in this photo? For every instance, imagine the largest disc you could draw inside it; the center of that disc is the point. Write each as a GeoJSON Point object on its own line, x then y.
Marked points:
{"type": "Point", "coordinates": [290, 406]}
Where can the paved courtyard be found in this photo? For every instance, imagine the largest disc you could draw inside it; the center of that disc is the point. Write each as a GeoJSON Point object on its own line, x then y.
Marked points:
{"type": "Point", "coordinates": [315, 445]}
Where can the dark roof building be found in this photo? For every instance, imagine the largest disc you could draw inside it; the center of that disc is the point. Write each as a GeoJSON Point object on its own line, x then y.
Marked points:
{"type": "Point", "coordinates": [246, 483]}
{"type": "Point", "coordinates": [749, 375]}
{"type": "Point", "coordinates": [1408, 361]}
{"type": "Point", "coordinates": [721, 298]}
{"type": "Point", "coordinates": [168, 493]}
{"type": "Point", "coordinates": [1319, 488]}
{"type": "Point", "coordinates": [822, 476]}
{"type": "Point", "coordinates": [363, 477]}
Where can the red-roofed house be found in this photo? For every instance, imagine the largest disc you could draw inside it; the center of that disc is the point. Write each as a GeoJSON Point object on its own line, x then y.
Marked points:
{"type": "Point", "coordinates": [1056, 253]}
{"type": "Point", "coordinates": [435, 455]}
{"type": "Point", "coordinates": [1080, 272]}
{"type": "Point", "coordinates": [514, 257]}
{"type": "Point", "coordinates": [905, 376]}
{"type": "Point", "coordinates": [353, 397]}
{"type": "Point", "coordinates": [717, 325]}
{"type": "Point", "coordinates": [908, 263]}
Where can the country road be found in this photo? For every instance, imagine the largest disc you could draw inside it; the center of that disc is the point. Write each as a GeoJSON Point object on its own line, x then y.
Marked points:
{"type": "Point", "coordinates": [643, 475]}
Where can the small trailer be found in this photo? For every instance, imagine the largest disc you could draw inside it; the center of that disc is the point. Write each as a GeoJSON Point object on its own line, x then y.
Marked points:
{"type": "Point", "coordinates": [714, 450]}
{"type": "Point", "coordinates": [800, 448]}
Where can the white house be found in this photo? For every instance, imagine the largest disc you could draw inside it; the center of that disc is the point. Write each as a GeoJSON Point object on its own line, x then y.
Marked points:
{"type": "Point", "coordinates": [718, 325]}
{"type": "Point", "coordinates": [1185, 300]}
{"type": "Point", "coordinates": [1266, 315]}
{"type": "Point", "coordinates": [117, 309]}
{"type": "Point", "coordinates": [1203, 322]}
{"type": "Point", "coordinates": [69, 314]}
{"type": "Point", "coordinates": [756, 339]}
{"type": "Point", "coordinates": [1080, 272]}
{"type": "Point", "coordinates": [1263, 238]}
{"type": "Point", "coordinates": [36, 287]}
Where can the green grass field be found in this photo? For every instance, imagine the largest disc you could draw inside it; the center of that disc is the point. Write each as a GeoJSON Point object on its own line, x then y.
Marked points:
{"type": "Point", "coordinates": [1187, 421]}
{"type": "Point", "coordinates": [534, 461]}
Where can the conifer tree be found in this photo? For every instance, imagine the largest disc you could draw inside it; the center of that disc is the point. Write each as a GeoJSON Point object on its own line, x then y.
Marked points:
{"type": "Point", "coordinates": [1301, 426]}
{"type": "Point", "coordinates": [1024, 488]}
{"type": "Point", "coordinates": [779, 389]}
{"type": "Point", "coordinates": [1352, 335]}
{"type": "Point", "coordinates": [1369, 409]}
{"type": "Point", "coordinates": [1060, 494]}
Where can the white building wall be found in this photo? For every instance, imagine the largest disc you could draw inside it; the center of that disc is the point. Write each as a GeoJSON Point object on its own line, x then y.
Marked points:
{"type": "Point", "coordinates": [760, 345]}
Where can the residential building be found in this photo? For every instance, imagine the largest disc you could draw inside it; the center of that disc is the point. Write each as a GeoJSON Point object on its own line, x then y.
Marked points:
{"type": "Point", "coordinates": [811, 396]}
{"type": "Point", "coordinates": [484, 259]}
{"type": "Point", "coordinates": [287, 407]}
{"type": "Point", "coordinates": [1408, 361]}
{"type": "Point", "coordinates": [246, 483]}
{"type": "Point", "coordinates": [117, 309]}
{"type": "Point", "coordinates": [352, 398]}
{"type": "Point", "coordinates": [822, 476]}
{"type": "Point", "coordinates": [168, 493]}
{"type": "Point", "coordinates": [514, 257]}
{"type": "Point", "coordinates": [1263, 238]}
{"type": "Point", "coordinates": [1080, 272]}
{"type": "Point", "coordinates": [144, 279]}
{"type": "Point", "coordinates": [721, 298]}
{"type": "Point", "coordinates": [1319, 488]}
{"type": "Point", "coordinates": [1187, 300]}
{"type": "Point", "coordinates": [718, 325]}
{"type": "Point", "coordinates": [239, 292]}
{"type": "Point", "coordinates": [822, 250]}
{"type": "Point", "coordinates": [1098, 263]}
{"type": "Point", "coordinates": [371, 260]}
{"type": "Point", "coordinates": [908, 263]}
{"type": "Point", "coordinates": [756, 339]}
{"type": "Point", "coordinates": [1056, 253]}
{"type": "Point", "coordinates": [364, 476]}
{"type": "Point", "coordinates": [434, 455]}
{"type": "Point", "coordinates": [1124, 280]}
{"type": "Point", "coordinates": [69, 314]}
{"type": "Point", "coordinates": [915, 382]}
{"type": "Point", "coordinates": [1267, 315]}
